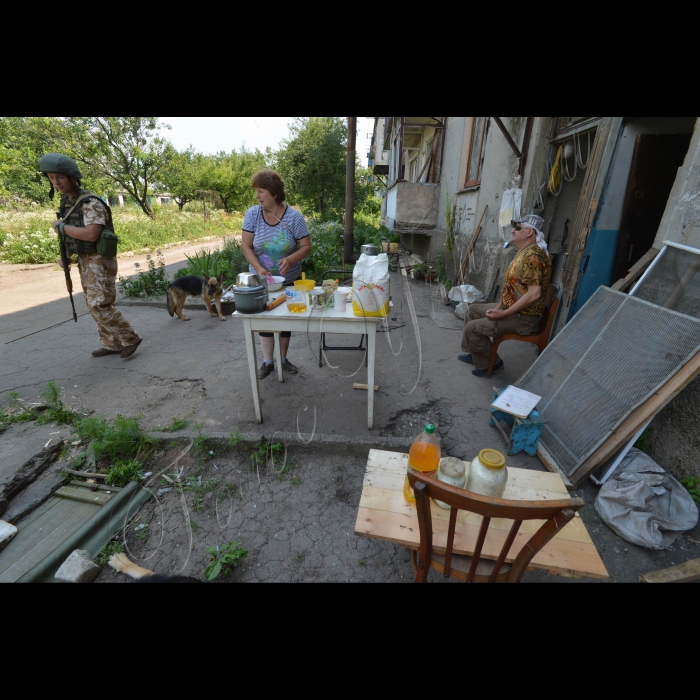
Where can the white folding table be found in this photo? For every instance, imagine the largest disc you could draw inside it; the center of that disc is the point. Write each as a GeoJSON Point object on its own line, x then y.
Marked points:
{"type": "Point", "coordinates": [281, 320]}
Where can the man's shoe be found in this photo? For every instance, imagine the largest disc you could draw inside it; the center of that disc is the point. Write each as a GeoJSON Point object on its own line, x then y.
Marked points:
{"type": "Point", "coordinates": [265, 371]}
{"type": "Point", "coordinates": [484, 373]}
{"type": "Point", "coordinates": [103, 352]}
{"type": "Point", "coordinates": [467, 359]}
{"type": "Point", "coordinates": [128, 352]}
{"type": "Point", "coordinates": [289, 368]}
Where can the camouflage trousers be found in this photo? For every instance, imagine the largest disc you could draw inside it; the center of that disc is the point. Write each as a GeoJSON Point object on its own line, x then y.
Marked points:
{"type": "Point", "coordinates": [99, 279]}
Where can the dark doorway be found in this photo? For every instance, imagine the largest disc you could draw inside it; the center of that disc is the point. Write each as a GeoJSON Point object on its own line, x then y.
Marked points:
{"type": "Point", "coordinates": [657, 158]}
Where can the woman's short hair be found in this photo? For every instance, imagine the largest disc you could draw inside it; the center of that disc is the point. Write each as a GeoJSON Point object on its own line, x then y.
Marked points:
{"type": "Point", "coordinates": [272, 182]}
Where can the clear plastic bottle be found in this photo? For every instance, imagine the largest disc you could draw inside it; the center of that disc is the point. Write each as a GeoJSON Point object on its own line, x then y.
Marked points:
{"type": "Point", "coordinates": [425, 458]}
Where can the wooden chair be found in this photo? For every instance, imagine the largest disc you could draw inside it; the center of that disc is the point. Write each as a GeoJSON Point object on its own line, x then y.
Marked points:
{"type": "Point", "coordinates": [541, 340]}
{"type": "Point", "coordinates": [556, 514]}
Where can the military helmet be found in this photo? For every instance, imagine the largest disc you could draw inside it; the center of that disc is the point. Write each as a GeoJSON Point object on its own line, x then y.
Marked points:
{"type": "Point", "coordinates": [58, 163]}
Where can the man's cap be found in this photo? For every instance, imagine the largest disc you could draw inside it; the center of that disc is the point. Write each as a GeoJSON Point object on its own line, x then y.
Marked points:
{"type": "Point", "coordinates": [531, 221]}
{"type": "Point", "coordinates": [58, 163]}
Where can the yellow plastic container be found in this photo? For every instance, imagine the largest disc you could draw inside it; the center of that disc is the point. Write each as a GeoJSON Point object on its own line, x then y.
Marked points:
{"type": "Point", "coordinates": [304, 285]}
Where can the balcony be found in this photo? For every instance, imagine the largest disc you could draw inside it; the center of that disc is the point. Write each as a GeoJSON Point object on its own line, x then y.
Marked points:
{"type": "Point", "coordinates": [412, 207]}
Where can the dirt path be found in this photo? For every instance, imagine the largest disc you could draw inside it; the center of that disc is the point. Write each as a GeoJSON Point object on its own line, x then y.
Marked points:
{"type": "Point", "coordinates": [28, 291]}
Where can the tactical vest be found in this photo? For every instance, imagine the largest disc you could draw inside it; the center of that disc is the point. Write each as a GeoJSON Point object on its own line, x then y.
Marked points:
{"type": "Point", "coordinates": [73, 245]}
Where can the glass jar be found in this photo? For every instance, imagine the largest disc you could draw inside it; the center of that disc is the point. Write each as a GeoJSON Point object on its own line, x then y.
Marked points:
{"type": "Point", "coordinates": [488, 475]}
{"type": "Point", "coordinates": [452, 472]}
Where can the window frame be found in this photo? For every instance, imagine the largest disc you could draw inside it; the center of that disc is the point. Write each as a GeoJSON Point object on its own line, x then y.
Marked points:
{"type": "Point", "coordinates": [477, 181]}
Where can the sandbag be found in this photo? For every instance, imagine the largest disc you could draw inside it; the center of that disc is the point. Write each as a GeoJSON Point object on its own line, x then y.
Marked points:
{"type": "Point", "coordinates": [371, 286]}
{"type": "Point", "coordinates": [646, 506]}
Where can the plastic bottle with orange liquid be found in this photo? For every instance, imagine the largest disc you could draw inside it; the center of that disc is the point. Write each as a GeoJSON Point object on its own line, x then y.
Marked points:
{"type": "Point", "coordinates": [425, 458]}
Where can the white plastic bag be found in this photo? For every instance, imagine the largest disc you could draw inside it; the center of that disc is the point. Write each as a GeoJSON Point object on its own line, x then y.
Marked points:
{"type": "Point", "coordinates": [372, 287]}
{"type": "Point", "coordinates": [511, 207]}
{"type": "Point", "coordinates": [466, 294]}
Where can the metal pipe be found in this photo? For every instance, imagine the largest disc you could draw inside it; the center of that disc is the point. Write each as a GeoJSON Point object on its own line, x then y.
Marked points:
{"type": "Point", "coordinates": [349, 250]}
{"type": "Point", "coordinates": [509, 138]}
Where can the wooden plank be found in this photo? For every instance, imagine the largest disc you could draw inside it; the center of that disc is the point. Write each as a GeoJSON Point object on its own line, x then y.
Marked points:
{"type": "Point", "coordinates": [638, 419]}
{"type": "Point", "coordinates": [389, 501]}
{"type": "Point", "coordinates": [685, 573]}
{"type": "Point", "coordinates": [635, 274]}
{"type": "Point", "coordinates": [363, 387]}
{"type": "Point", "coordinates": [83, 495]}
{"type": "Point", "coordinates": [561, 557]}
{"type": "Point", "coordinates": [46, 534]}
{"type": "Point", "coordinates": [552, 466]}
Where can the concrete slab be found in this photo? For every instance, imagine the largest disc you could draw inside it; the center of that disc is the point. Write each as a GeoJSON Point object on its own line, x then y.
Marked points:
{"type": "Point", "coordinates": [27, 451]}
{"type": "Point", "coordinates": [25, 502]}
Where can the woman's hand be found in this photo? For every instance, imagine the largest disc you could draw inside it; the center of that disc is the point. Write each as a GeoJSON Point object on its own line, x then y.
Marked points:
{"type": "Point", "coordinates": [284, 265]}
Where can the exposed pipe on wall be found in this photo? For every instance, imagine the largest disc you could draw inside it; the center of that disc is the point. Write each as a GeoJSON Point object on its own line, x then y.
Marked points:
{"type": "Point", "coordinates": [349, 249]}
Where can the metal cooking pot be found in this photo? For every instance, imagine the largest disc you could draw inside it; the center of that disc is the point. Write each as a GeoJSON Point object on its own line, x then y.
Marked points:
{"type": "Point", "coordinates": [248, 280]}
{"type": "Point", "coordinates": [251, 300]}
{"type": "Point", "coordinates": [370, 250]}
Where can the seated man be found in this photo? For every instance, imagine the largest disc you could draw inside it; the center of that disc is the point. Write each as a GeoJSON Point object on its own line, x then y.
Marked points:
{"type": "Point", "coordinates": [522, 305]}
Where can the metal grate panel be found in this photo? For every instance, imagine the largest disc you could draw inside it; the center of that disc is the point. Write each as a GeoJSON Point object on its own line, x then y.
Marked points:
{"type": "Point", "coordinates": [615, 354]}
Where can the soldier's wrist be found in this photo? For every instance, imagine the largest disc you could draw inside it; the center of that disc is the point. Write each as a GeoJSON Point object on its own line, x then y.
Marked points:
{"type": "Point", "coordinates": [62, 229]}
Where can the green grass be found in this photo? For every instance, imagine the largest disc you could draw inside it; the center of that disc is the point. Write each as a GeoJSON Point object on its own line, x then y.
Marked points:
{"type": "Point", "coordinates": [102, 559]}
{"type": "Point", "coordinates": [26, 235]}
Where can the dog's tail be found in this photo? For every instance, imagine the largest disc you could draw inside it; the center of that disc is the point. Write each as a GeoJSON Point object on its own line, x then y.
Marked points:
{"type": "Point", "coordinates": [171, 304]}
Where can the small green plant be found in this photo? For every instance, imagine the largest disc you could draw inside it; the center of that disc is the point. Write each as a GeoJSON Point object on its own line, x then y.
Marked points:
{"type": "Point", "coordinates": [298, 561]}
{"type": "Point", "coordinates": [102, 559]}
{"type": "Point", "coordinates": [441, 270]}
{"type": "Point", "coordinates": [143, 532]}
{"type": "Point", "coordinates": [176, 426]}
{"type": "Point", "coordinates": [52, 412]}
{"type": "Point", "coordinates": [121, 439]}
{"type": "Point", "coordinates": [644, 442]}
{"type": "Point", "coordinates": [194, 526]}
{"type": "Point", "coordinates": [224, 559]}
{"type": "Point", "coordinates": [153, 281]}
{"type": "Point", "coordinates": [451, 219]}
{"type": "Point", "coordinates": [296, 482]}
{"type": "Point", "coordinates": [123, 473]}
{"type": "Point", "coordinates": [693, 486]}
{"type": "Point", "coordinates": [235, 441]}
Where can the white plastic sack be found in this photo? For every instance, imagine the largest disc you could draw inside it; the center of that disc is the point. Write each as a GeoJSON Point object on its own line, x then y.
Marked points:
{"type": "Point", "coordinates": [646, 506]}
{"type": "Point", "coordinates": [466, 294]}
{"type": "Point", "coordinates": [371, 286]}
{"type": "Point", "coordinates": [511, 207]}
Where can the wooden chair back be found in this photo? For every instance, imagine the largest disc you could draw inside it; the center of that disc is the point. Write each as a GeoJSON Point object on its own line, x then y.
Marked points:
{"type": "Point", "coordinates": [551, 304]}
{"type": "Point", "coordinates": [556, 514]}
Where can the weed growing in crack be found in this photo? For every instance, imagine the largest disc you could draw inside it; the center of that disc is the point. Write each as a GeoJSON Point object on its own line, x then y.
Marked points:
{"type": "Point", "coordinates": [143, 532]}
{"type": "Point", "coordinates": [123, 473]}
{"type": "Point", "coordinates": [224, 559]}
{"type": "Point", "coordinates": [298, 561]}
{"type": "Point", "coordinates": [194, 526]}
{"type": "Point", "coordinates": [176, 426]}
{"type": "Point", "coordinates": [53, 410]}
{"type": "Point", "coordinates": [102, 559]}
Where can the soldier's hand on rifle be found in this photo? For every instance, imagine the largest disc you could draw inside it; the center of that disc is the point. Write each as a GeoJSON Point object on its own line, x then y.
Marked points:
{"type": "Point", "coordinates": [55, 224]}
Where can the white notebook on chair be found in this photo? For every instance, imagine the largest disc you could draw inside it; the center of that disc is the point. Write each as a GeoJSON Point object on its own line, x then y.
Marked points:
{"type": "Point", "coordinates": [517, 402]}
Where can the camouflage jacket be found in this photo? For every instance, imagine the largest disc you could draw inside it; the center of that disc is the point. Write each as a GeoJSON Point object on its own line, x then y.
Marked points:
{"type": "Point", "coordinates": [90, 211]}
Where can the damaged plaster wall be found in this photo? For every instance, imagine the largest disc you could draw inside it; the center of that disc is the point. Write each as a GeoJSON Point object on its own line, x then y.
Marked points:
{"type": "Point", "coordinates": [681, 223]}
{"type": "Point", "coordinates": [675, 441]}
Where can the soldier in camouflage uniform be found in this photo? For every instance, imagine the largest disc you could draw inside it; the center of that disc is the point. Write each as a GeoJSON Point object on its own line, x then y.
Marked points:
{"type": "Point", "coordinates": [81, 231]}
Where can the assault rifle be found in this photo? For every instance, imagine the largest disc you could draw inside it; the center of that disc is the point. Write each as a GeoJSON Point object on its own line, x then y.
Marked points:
{"type": "Point", "coordinates": [66, 267]}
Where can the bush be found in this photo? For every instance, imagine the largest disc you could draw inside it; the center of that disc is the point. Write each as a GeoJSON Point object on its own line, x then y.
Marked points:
{"type": "Point", "coordinates": [153, 281]}
{"type": "Point", "coordinates": [229, 262]}
{"type": "Point", "coordinates": [26, 236]}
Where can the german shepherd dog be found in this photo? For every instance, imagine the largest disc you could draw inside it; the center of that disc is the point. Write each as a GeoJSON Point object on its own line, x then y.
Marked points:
{"type": "Point", "coordinates": [210, 289]}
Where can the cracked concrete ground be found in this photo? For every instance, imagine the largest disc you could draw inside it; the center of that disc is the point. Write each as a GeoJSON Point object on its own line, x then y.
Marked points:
{"type": "Point", "coordinates": [198, 371]}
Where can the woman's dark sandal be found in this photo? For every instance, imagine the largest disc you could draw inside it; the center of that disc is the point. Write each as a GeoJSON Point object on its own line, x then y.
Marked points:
{"type": "Point", "coordinates": [103, 352]}
{"type": "Point", "coordinates": [484, 373]}
{"type": "Point", "coordinates": [128, 352]}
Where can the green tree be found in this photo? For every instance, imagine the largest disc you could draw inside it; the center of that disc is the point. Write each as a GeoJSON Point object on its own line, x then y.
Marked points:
{"type": "Point", "coordinates": [129, 151]}
{"type": "Point", "coordinates": [312, 162]}
{"type": "Point", "coordinates": [230, 175]}
{"type": "Point", "coordinates": [183, 176]}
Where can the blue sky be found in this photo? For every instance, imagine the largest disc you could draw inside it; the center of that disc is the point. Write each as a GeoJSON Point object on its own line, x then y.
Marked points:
{"type": "Point", "coordinates": [214, 134]}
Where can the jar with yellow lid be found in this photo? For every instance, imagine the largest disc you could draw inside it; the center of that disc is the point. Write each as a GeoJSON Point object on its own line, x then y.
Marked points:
{"type": "Point", "coordinates": [488, 475]}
